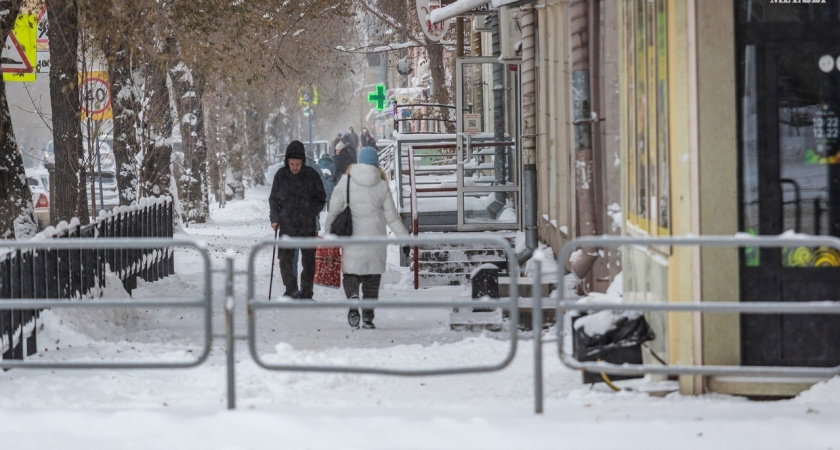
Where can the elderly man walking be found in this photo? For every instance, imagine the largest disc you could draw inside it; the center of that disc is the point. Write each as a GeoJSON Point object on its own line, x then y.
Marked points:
{"type": "Point", "coordinates": [297, 197]}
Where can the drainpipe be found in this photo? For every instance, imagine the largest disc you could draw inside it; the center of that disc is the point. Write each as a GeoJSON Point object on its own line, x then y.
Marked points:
{"type": "Point", "coordinates": [498, 117]}
{"type": "Point", "coordinates": [582, 105]}
{"type": "Point", "coordinates": [529, 132]}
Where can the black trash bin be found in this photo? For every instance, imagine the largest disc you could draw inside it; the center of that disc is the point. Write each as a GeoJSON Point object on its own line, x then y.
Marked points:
{"type": "Point", "coordinates": [485, 283]}
{"type": "Point", "coordinates": [619, 342]}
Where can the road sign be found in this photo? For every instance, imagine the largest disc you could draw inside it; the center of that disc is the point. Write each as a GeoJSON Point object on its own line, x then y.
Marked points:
{"type": "Point", "coordinates": [308, 95]}
{"type": "Point", "coordinates": [378, 97]}
{"type": "Point", "coordinates": [18, 56]}
{"type": "Point", "coordinates": [95, 92]}
{"type": "Point", "coordinates": [43, 65]}
{"type": "Point", "coordinates": [43, 27]}
{"type": "Point", "coordinates": [433, 31]}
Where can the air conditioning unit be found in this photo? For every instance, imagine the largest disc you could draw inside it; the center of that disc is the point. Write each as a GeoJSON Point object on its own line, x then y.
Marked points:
{"type": "Point", "coordinates": [480, 24]}
{"type": "Point", "coordinates": [510, 33]}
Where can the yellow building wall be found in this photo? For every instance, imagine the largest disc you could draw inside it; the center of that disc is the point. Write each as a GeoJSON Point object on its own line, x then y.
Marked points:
{"type": "Point", "coordinates": [717, 147]}
{"type": "Point", "coordinates": [702, 167]}
{"type": "Point", "coordinates": [681, 274]}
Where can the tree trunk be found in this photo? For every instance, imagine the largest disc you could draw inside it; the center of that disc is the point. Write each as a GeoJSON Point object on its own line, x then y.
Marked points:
{"type": "Point", "coordinates": [438, 69]}
{"type": "Point", "coordinates": [157, 170]}
{"type": "Point", "coordinates": [235, 151]}
{"type": "Point", "coordinates": [256, 142]}
{"type": "Point", "coordinates": [124, 106]}
{"type": "Point", "coordinates": [192, 184]}
{"type": "Point", "coordinates": [71, 200]}
{"type": "Point", "coordinates": [16, 212]}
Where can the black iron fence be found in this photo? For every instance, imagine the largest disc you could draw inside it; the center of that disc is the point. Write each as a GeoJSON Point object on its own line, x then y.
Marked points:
{"type": "Point", "coordinates": [79, 273]}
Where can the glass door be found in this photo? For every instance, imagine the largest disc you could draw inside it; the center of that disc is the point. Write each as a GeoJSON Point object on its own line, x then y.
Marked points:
{"type": "Point", "coordinates": [489, 169]}
{"type": "Point", "coordinates": [790, 178]}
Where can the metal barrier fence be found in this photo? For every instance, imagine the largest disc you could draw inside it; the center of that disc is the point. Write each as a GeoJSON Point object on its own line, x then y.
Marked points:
{"type": "Point", "coordinates": [33, 302]}
{"type": "Point", "coordinates": [76, 270]}
{"type": "Point", "coordinates": [509, 303]}
{"type": "Point", "coordinates": [813, 307]}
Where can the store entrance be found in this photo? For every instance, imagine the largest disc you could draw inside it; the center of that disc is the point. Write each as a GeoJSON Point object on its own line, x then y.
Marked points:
{"type": "Point", "coordinates": [790, 183]}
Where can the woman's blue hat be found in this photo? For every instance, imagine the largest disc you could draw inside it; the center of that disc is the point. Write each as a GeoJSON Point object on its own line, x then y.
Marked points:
{"type": "Point", "coordinates": [369, 156]}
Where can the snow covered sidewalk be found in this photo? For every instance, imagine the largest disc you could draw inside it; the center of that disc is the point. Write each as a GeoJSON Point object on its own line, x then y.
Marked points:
{"type": "Point", "coordinates": [185, 409]}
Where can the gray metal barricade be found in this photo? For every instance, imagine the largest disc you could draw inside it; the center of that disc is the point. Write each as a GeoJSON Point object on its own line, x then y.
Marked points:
{"type": "Point", "coordinates": [814, 307]}
{"type": "Point", "coordinates": [203, 301]}
{"type": "Point", "coordinates": [509, 303]}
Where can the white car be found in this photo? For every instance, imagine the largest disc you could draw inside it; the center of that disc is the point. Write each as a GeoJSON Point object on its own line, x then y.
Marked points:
{"type": "Point", "coordinates": [40, 199]}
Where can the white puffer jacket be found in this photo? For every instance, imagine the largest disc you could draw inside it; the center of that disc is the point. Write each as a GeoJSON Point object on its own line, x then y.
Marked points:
{"type": "Point", "coordinates": [372, 207]}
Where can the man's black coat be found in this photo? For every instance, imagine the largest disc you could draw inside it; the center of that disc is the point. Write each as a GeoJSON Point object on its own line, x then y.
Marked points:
{"type": "Point", "coordinates": [296, 200]}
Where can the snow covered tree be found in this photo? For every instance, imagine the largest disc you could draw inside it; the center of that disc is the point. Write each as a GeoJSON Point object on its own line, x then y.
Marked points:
{"type": "Point", "coordinates": [16, 213]}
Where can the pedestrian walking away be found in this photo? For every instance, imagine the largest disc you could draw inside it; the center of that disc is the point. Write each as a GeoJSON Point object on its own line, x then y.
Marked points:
{"type": "Point", "coordinates": [337, 140]}
{"type": "Point", "coordinates": [372, 209]}
{"type": "Point", "coordinates": [367, 139]}
{"type": "Point", "coordinates": [297, 197]}
{"type": "Point", "coordinates": [327, 165]}
{"type": "Point", "coordinates": [354, 138]}
{"type": "Point", "coordinates": [345, 156]}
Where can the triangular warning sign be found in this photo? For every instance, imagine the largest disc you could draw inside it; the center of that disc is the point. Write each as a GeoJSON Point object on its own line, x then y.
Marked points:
{"type": "Point", "coordinates": [19, 52]}
{"type": "Point", "coordinates": [14, 59]}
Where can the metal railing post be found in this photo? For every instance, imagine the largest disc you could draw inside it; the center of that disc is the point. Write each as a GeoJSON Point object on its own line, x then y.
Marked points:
{"type": "Point", "coordinates": [415, 215]}
{"type": "Point", "coordinates": [536, 327]}
{"type": "Point", "coordinates": [229, 330]}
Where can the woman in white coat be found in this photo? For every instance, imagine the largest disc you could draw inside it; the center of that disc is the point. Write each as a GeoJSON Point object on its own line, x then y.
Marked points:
{"type": "Point", "coordinates": [372, 208]}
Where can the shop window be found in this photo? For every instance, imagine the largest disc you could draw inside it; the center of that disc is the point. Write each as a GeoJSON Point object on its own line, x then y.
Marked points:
{"type": "Point", "coordinates": [648, 161]}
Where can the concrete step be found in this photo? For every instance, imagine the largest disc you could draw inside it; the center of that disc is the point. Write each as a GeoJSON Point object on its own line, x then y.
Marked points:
{"type": "Point", "coordinates": [461, 267]}
{"type": "Point", "coordinates": [452, 264]}
{"type": "Point", "coordinates": [526, 309]}
{"type": "Point", "coordinates": [442, 255]}
{"type": "Point", "coordinates": [475, 321]}
{"type": "Point", "coordinates": [525, 285]}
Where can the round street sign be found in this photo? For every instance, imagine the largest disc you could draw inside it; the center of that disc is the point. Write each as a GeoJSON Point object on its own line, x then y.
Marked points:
{"type": "Point", "coordinates": [96, 95]}
{"type": "Point", "coordinates": [433, 31]}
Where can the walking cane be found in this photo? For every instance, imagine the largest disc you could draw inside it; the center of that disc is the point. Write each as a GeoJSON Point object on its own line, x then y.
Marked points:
{"type": "Point", "coordinates": [273, 250]}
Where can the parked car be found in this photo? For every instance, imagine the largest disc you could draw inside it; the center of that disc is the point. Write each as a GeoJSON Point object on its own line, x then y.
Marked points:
{"type": "Point", "coordinates": [40, 199]}
{"type": "Point", "coordinates": [49, 153]}
{"type": "Point", "coordinates": [106, 153]}
{"type": "Point", "coordinates": [110, 191]}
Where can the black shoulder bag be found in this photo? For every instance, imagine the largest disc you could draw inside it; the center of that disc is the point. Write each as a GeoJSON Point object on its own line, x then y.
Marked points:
{"type": "Point", "coordinates": [343, 223]}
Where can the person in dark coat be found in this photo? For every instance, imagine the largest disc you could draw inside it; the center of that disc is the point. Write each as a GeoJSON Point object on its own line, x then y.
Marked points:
{"type": "Point", "coordinates": [327, 165]}
{"type": "Point", "coordinates": [337, 140]}
{"type": "Point", "coordinates": [367, 139]}
{"type": "Point", "coordinates": [297, 197]}
{"type": "Point", "coordinates": [345, 156]}
{"type": "Point", "coordinates": [355, 138]}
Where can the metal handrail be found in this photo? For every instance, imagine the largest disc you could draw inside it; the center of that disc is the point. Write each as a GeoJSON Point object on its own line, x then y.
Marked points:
{"type": "Point", "coordinates": [398, 120]}
{"type": "Point", "coordinates": [740, 240]}
{"type": "Point", "coordinates": [415, 214]}
{"type": "Point", "coordinates": [509, 303]}
{"type": "Point", "coordinates": [204, 301]}
{"type": "Point", "coordinates": [797, 203]}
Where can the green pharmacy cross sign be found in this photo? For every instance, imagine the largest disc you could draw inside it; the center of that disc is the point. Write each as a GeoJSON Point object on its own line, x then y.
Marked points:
{"type": "Point", "coordinates": [377, 97]}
